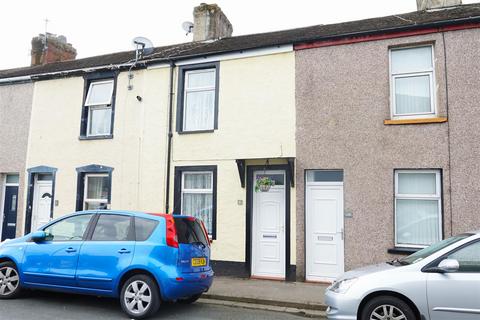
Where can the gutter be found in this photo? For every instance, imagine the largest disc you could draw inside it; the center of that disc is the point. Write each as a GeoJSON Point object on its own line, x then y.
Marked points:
{"type": "Point", "coordinates": [12, 80]}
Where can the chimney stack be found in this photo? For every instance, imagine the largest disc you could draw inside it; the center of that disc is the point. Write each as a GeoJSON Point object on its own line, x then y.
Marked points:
{"type": "Point", "coordinates": [51, 48]}
{"type": "Point", "coordinates": [435, 4]}
{"type": "Point", "coordinates": [210, 23]}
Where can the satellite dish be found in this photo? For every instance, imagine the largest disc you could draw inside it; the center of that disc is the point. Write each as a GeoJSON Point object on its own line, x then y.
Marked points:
{"type": "Point", "coordinates": [143, 46]}
{"type": "Point", "coordinates": [187, 26]}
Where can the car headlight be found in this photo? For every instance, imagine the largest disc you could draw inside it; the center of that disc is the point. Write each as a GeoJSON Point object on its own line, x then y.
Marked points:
{"type": "Point", "coordinates": [342, 286]}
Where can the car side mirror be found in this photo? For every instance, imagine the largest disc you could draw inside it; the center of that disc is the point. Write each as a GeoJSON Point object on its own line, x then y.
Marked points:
{"type": "Point", "coordinates": [39, 236]}
{"type": "Point", "coordinates": [445, 266]}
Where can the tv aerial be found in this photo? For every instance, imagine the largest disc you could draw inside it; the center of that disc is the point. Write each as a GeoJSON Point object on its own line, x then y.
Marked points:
{"type": "Point", "coordinates": [187, 26]}
{"type": "Point", "coordinates": [143, 47]}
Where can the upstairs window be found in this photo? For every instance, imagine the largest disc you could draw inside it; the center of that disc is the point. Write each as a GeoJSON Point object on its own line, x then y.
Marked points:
{"type": "Point", "coordinates": [412, 82]}
{"type": "Point", "coordinates": [99, 104]}
{"type": "Point", "coordinates": [198, 99]}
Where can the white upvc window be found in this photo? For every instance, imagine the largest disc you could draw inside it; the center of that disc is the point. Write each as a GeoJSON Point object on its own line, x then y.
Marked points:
{"type": "Point", "coordinates": [199, 100]}
{"type": "Point", "coordinates": [418, 207]}
{"type": "Point", "coordinates": [97, 189]}
{"type": "Point", "coordinates": [197, 196]}
{"type": "Point", "coordinates": [412, 82]}
{"type": "Point", "coordinates": [99, 103]}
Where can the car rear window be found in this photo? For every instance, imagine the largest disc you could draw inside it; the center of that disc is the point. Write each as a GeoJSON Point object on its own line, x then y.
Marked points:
{"type": "Point", "coordinates": [144, 228]}
{"type": "Point", "coordinates": [190, 231]}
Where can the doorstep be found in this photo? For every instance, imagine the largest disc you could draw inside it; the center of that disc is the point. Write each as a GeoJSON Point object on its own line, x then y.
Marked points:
{"type": "Point", "coordinates": [297, 295]}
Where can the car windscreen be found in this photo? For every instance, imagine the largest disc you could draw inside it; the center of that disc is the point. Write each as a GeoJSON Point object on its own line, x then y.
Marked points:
{"type": "Point", "coordinates": [428, 251]}
{"type": "Point", "coordinates": [190, 231]}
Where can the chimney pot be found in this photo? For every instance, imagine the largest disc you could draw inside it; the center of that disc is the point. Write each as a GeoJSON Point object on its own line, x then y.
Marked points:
{"type": "Point", "coordinates": [51, 48]}
{"type": "Point", "coordinates": [435, 4]}
{"type": "Point", "coordinates": [210, 23]}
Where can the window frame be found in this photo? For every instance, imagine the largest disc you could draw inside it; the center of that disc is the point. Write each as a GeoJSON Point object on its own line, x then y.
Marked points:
{"type": "Point", "coordinates": [178, 195]}
{"type": "Point", "coordinates": [181, 95]}
{"type": "Point", "coordinates": [89, 170]}
{"type": "Point", "coordinates": [427, 72]}
{"type": "Point", "coordinates": [89, 80]}
{"type": "Point", "coordinates": [437, 196]}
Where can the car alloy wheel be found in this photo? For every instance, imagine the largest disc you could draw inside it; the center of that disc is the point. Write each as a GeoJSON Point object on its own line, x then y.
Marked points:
{"type": "Point", "coordinates": [387, 312]}
{"type": "Point", "coordinates": [138, 297]}
{"type": "Point", "coordinates": [9, 281]}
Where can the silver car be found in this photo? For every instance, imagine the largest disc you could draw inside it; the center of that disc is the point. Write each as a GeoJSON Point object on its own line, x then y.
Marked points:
{"type": "Point", "coordinates": [441, 282]}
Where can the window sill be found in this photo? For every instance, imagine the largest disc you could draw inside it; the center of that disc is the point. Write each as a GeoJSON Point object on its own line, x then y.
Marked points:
{"type": "Point", "coordinates": [193, 132]}
{"type": "Point", "coordinates": [402, 250]}
{"type": "Point", "coordinates": [415, 121]}
{"type": "Point", "coordinates": [108, 136]}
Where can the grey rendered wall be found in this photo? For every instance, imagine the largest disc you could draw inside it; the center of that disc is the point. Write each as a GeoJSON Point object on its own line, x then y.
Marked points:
{"type": "Point", "coordinates": [15, 108]}
{"type": "Point", "coordinates": [463, 52]}
{"type": "Point", "coordinates": [342, 99]}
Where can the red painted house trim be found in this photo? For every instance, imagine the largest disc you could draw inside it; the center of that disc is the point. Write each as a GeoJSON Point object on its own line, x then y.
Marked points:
{"type": "Point", "coordinates": [383, 36]}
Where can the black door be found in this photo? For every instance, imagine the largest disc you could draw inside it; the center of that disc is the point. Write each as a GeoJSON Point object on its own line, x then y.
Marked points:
{"type": "Point", "coordinates": [10, 212]}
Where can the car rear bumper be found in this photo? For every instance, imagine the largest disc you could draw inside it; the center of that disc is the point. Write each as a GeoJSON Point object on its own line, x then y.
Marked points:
{"type": "Point", "coordinates": [187, 284]}
{"type": "Point", "coordinates": [340, 306]}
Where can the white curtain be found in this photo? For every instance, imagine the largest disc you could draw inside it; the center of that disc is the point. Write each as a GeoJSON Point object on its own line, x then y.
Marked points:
{"type": "Point", "coordinates": [199, 110]}
{"type": "Point", "coordinates": [200, 206]}
{"type": "Point", "coordinates": [197, 197]}
{"type": "Point", "coordinates": [100, 120]}
{"type": "Point", "coordinates": [97, 187]}
{"type": "Point", "coordinates": [417, 222]}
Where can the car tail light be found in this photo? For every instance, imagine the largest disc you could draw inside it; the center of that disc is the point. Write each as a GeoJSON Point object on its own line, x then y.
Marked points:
{"type": "Point", "coordinates": [172, 239]}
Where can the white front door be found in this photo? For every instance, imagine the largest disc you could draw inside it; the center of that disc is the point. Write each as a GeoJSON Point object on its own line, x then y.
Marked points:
{"type": "Point", "coordinates": [268, 227]}
{"type": "Point", "coordinates": [324, 231]}
{"type": "Point", "coordinates": [42, 203]}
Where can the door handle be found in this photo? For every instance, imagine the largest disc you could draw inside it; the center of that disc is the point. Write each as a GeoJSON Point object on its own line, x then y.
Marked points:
{"type": "Point", "coordinates": [70, 250]}
{"type": "Point", "coordinates": [122, 251]}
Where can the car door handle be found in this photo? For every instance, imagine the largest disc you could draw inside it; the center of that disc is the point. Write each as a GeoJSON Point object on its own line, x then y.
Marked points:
{"type": "Point", "coordinates": [70, 250]}
{"type": "Point", "coordinates": [122, 251]}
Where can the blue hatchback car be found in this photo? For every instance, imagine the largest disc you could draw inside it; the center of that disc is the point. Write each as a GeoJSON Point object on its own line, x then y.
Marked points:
{"type": "Point", "coordinates": [140, 258]}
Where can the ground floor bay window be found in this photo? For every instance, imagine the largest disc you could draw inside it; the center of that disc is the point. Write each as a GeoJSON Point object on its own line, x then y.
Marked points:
{"type": "Point", "coordinates": [195, 194]}
{"type": "Point", "coordinates": [418, 219]}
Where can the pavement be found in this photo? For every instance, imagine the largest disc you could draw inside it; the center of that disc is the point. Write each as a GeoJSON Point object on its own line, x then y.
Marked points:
{"type": "Point", "coordinates": [307, 299]}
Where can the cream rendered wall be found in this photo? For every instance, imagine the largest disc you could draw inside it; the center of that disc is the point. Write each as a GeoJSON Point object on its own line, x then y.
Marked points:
{"type": "Point", "coordinates": [256, 120]}
{"type": "Point", "coordinates": [136, 152]}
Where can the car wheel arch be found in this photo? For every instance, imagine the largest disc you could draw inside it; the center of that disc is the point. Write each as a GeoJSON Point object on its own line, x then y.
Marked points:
{"type": "Point", "coordinates": [400, 296]}
{"type": "Point", "coordinates": [132, 272]}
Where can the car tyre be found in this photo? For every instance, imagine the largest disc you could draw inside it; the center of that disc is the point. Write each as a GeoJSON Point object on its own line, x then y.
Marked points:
{"type": "Point", "coordinates": [190, 300]}
{"type": "Point", "coordinates": [387, 307]}
{"type": "Point", "coordinates": [140, 297]}
{"type": "Point", "coordinates": [9, 281]}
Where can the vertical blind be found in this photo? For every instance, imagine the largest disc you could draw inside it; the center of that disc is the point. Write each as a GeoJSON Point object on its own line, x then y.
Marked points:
{"type": "Point", "coordinates": [417, 208]}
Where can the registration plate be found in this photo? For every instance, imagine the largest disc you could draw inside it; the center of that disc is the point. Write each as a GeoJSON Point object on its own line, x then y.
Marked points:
{"type": "Point", "coordinates": [199, 262]}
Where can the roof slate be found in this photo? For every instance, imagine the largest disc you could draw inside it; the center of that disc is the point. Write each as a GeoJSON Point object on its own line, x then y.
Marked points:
{"type": "Point", "coordinates": [412, 20]}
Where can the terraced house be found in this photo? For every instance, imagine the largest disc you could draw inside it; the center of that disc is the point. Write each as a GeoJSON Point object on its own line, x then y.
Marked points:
{"type": "Point", "coordinates": [363, 130]}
